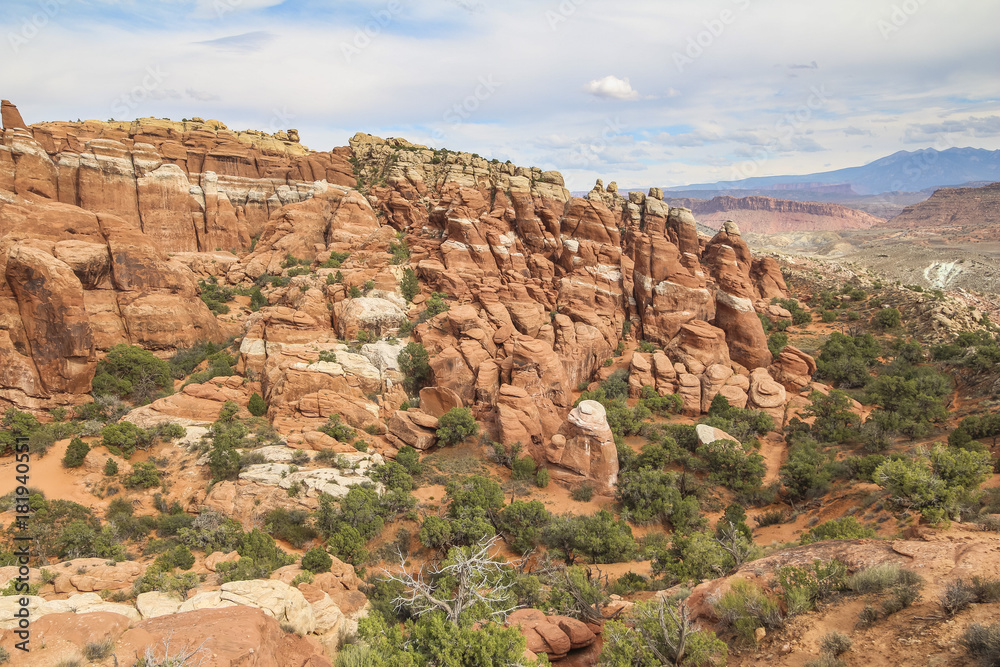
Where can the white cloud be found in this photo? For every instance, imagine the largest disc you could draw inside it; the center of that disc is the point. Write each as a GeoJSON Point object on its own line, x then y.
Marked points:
{"type": "Point", "coordinates": [611, 87]}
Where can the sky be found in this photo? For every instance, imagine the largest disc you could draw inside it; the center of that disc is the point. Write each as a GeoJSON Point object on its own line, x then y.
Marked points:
{"type": "Point", "coordinates": [641, 92]}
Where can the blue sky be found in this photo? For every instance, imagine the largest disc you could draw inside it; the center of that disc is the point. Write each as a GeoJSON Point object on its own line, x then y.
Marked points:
{"type": "Point", "coordinates": [644, 92]}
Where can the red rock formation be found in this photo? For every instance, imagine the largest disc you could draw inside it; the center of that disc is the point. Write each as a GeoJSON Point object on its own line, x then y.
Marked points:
{"type": "Point", "coordinates": [729, 261]}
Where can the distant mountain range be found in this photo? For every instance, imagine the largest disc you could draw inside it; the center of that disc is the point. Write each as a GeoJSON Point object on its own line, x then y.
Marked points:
{"type": "Point", "coordinates": [904, 171]}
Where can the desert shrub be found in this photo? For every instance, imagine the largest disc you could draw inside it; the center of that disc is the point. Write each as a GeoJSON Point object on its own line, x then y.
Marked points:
{"type": "Point", "coordinates": [256, 405]}
{"type": "Point", "coordinates": [185, 360]}
{"type": "Point", "coordinates": [845, 528]}
{"type": "Point", "coordinates": [936, 484]}
{"type": "Point", "coordinates": [522, 523]}
{"type": "Point", "coordinates": [257, 299]}
{"type": "Point", "coordinates": [983, 643]}
{"type": "Point", "coordinates": [834, 421]}
{"type": "Point", "coordinates": [665, 627]}
{"type": "Point", "coordinates": [110, 467]}
{"type": "Point", "coordinates": [582, 492]}
{"type": "Point", "coordinates": [600, 538]}
{"type": "Point", "coordinates": [409, 287]}
{"type": "Point", "coordinates": [879, 578]}
{"type": "Point", "coordinates": [800, 316]}
{"type": "Point", "coordinates": [826, 660]}
{"type": "Point", "coordinates": [524, 468]}
{"type": "Point", "coordinates": [803, 587]}
{"type": "Point", "coordinates": [393, 476]}
{"type": "Point", "coordinates": [807, 471]}
{"type": "Point", "coordinates": [542, 478]}
{"type": "Point", "coordinates": [338, 430]}
{"type": "Point", "coordinates": [887, 318]}
{"type": "Point", "coordinates": [846, 360]}
{"type": "Point", "coordinates": [292, 526]}
{"type": "Point", "coordinates": [409, 458]}
{"type": "Point", "coordinates": [76, 452]}
{"type": "Point", "coordinates": [730, 465]}
{"type": "Point", "coordinates": [144, 476]}
{"type": "Point", "coordinates": [316, 560]}
{"type": "Point", "coordinates": [777, 342]}
{"type": "Point", "coordinates": [692, 557]}
{"type": "Point", "coordinates": [125, 437]}
{"type": "Point", "coordinates": [771, 518]}
{"type": "Point", "coordinates": [414, 363]}
{"type": "Point", "coordinates": [216, 296]}
{"type": "Point", "coordinates": [130, 371]}
{"type": "Point", "coordinates": [746, 607]}
{"type": "Point", "coordinates": [97, 651]}
{"type": "Point", "coordinates": [434, 306]}
{"type": "Point", "coordinates": [835, 643]}
{"type": "Point", "coordinates": [959, 594]}
{"type": "Point", "coordinates": [455, 426]}
{"type": "Point", "coordinates": [650, 494]}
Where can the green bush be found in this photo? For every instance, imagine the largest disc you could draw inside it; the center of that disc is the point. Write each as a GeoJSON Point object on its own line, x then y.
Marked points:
{"type": "Point", "coordinates": [125, 437]}
{"type": "Point", "coordinates": [414, 364]}
{"type": "Point", "coordinates": [76, 452]}
{"type": "Point", "coordinates": [316, 560]}
{"type": "Point", "coordinates": [257, 299]}
{"type": "Point", "coordinates": [409, 286]}
{"type": "Point", "coordinates": [882, 577]}
{"type": "Point", "coordinates": [582, 492]}
{"type": "Point", "coordinates": [144, 476]}
{"type": "Point", "coordinates": [938, 484]}
{"type": "Point", "coordinates": [130, 371]}
{"type": "Point", "coordinates": [524, 468]}
{"type": "Point", "coordinates": [835, 643]}
{"type": "Point", "coordinates": [110, 467]}
{"type": "Point", "coordinates": [542, 477]}
{"type": "Point", "coordinates": [292, 526]}
{"type": "Point", "coordinates": [455, 426]}
{"type": "Point", "coordinates": [777, 342]}
{"type": "Point", "coordinates": [845, 528]}
{"type": "Point", "coordinates": [746, 607]}
{"type": "Point", "coordinates": [846, 360]}
{"type": "Point", "coordinates": [256, 405]}
{"type": "Point", "coordinates": [887, 318]}
{"type": "Point", "coordinates": [409, 458]}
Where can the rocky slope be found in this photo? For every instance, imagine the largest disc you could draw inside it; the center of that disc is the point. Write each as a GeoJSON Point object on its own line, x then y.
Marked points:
{"type": "Point", "coordinates": [953, 207]}
{"type": "Point", "coordinates": [767, 215]}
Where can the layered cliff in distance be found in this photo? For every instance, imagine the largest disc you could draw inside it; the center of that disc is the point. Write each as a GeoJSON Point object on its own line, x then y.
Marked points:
{"type": "Point", "coordinates": [953, 207]}
{"type": "Point", "coordinates": [767, 215]}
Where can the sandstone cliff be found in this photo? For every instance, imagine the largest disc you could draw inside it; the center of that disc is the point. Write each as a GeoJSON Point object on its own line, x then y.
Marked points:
{"type": "Point", "coordinates": [767, 215]}
{"type": "Point", "coordinates": [953, 207]}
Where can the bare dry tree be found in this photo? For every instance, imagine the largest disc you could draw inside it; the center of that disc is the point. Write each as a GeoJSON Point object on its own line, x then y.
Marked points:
{"type": "Point", "coordinates": [733, 543]}
{"type": "Point", "coordinates": [478, 579]}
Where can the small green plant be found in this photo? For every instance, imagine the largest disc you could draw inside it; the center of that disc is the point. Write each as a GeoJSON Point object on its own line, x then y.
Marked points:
{"type": "Point", "coordinates": [582, 493]}
{"type": "Point", "coordinates": [110, 467]}
{"type": "Point", "coordinates": [542, 478]}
